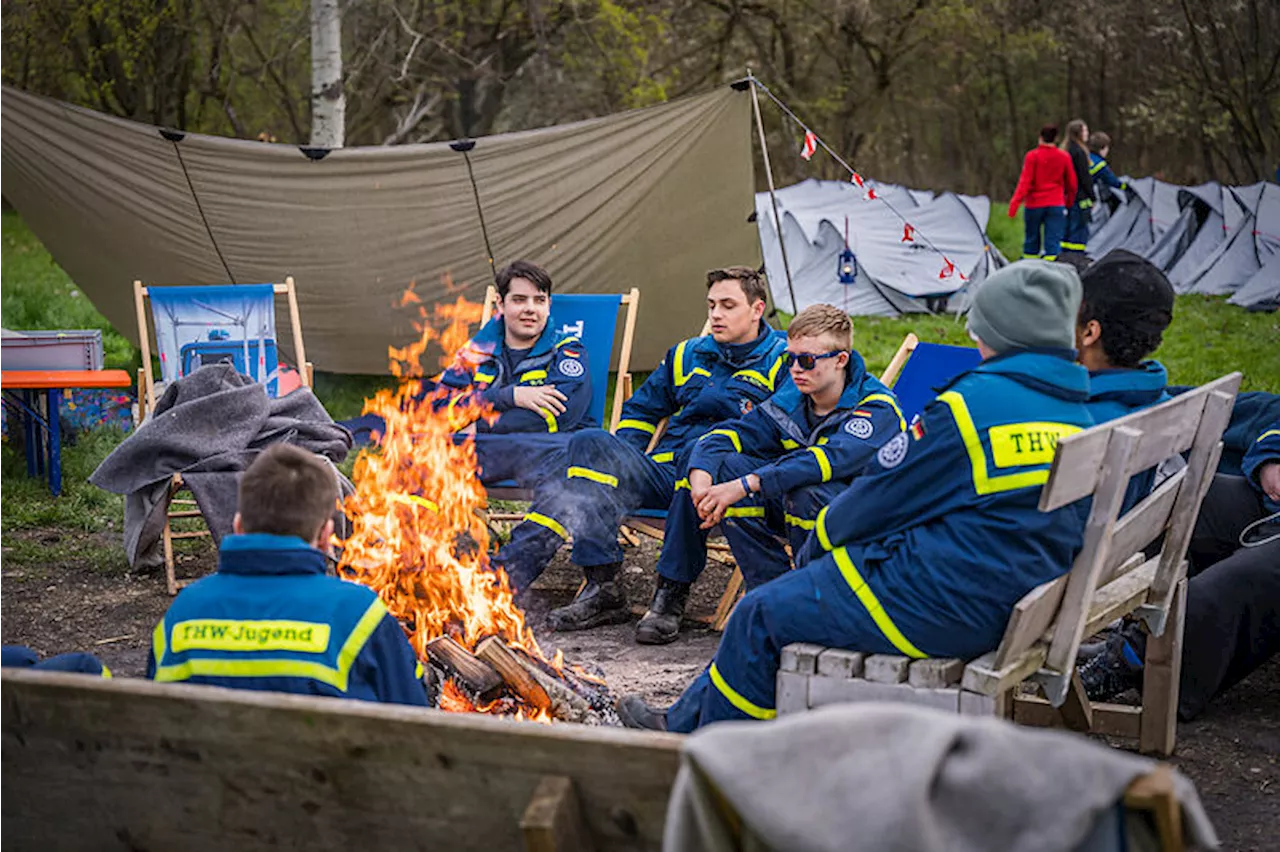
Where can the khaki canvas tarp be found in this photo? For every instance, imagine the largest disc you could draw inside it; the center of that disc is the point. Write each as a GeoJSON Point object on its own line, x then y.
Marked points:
{"type": "Point", "coordinates": [650, 198]}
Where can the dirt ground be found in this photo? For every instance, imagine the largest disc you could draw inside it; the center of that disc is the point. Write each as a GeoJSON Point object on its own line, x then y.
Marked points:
{"type": "Point", "coordinates": [1232, 753]}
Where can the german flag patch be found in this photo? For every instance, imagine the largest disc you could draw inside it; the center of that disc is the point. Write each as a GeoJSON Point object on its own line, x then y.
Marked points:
{"type": "Point", "coordinates": [917, 428]}
{"type": "Point", "coordinates": [571, 353]}
{"type": "Point", "coordinates": [861, 412]}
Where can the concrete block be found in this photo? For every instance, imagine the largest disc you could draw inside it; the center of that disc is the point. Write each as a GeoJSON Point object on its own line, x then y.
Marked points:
{"type": "Point", "coordinates": [884, 668]}
{"type": "Point", "coordinates": [801, 658]}
{"type": "Point", "coordinates": [838, 663]}
{"type": "Point", "coordinates": [792, 693]}
{"type": "Point", "coordinates": [826, 690]}
{"type": "Point", "coordinates": [935, 674]}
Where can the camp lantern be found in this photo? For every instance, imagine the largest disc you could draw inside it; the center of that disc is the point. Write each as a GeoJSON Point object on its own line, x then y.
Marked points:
{"type": "Point", "coordinates": [848, 267]}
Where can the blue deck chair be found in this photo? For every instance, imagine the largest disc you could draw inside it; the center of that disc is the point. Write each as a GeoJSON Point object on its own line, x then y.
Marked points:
{"type": "Point", "coordinates": [594, 319]}
{"type": "Point", "coordinates": [209, 324]}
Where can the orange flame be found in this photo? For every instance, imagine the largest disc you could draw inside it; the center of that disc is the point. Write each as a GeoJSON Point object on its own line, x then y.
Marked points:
{"type": "Point", "coordinates": [418, 536]}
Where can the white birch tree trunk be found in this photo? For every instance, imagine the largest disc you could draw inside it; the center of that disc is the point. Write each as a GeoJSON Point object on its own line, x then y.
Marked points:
{"type": "Point", "coordinates": [328, 101]}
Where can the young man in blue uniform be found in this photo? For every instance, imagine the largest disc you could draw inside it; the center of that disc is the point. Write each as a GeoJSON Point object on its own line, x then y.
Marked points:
{"type": "Point", "coordinates": [271, 618]}
{"type": "Point", "coordinates": [537, 380]}
{"type": "Point", "coordinates": [1099, 170]}
{"type": "Point", "coordinates": [765, 476]}
{"type": "Point", "coordinates": [1126, 306]}
{"type": "Point", "coordinates": [928, 550]}
{"type": "Point", "coordinates": [702, 382]}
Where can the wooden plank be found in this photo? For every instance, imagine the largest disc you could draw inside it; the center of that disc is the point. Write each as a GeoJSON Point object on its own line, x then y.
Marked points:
{"type": "Point", "coordinates": [791, 692]}
{"type": "Point", "coordinates": [553, 820]}
{"type": "Point", "coordinates": [1083, 579]}
{"type": "Point", "coordinates": [1077, 713]}
{"type": "Point", "coordinates": [1201, 466]}
{"type": "Point", "coordinates": [1120, 597]}
{"type": "Point", "coordinates": [1168, 428]}
{"type": "Point", "coordinates": [982, 675]}
{"type": "Point", "coordinates": [1157, 793]}
{"type": "Point", "coordinates": [935, 674]}
{"type": "Point", "coordinates": [163, 766]}
{"type": "Point", "coordinates": [1112, 720]}
{"type": "Point", "coordinates": [146, 390]}
{"type": "Point", "coordinates": [728, 600]}
{"type": "Point", "coordinates": [624, 353]}
{"type": "Point", "coordinates": [1142, 524]}
{"type": "Point", "coordinates": [828, 690]}
{"type": "Point", "coordinates": [801, 657]}
{"type": "Point", "coordinates": [886, 668]}
{"type": "Point", "coordinates": [295, 320]}
{"type": "Point", "coordinates": [1161, 670]}
{"type": "Point", "coordinates": [899, 360]}
{"type": "Point", "coordinates": [839, 663]}
{"type": "Point", "coordinates": [1030, 618]}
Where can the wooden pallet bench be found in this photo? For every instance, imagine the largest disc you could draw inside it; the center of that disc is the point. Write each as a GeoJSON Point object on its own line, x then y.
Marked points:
{"type": "Point", "coordinates": [1130, 566]}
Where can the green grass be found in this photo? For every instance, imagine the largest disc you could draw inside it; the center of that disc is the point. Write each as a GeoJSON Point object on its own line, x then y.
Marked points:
{"type": "Point", "coordinates": [1005, 233]}
{"type": "Point", "coordinates": [1208, 338]}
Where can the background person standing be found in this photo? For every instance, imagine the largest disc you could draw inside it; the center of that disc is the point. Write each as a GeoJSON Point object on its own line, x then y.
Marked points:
{"type": "Point", "coordinates": [1081, 201]}
{"type": "Point", "coordinates": [1047, 185]}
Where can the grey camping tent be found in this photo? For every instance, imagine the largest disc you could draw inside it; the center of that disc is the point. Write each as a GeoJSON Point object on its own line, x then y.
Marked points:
{"type": "Point", "coordinates": [893, 275]}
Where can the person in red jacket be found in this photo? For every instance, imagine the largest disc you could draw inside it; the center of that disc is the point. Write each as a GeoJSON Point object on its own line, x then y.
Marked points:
{"type": "Point", "coordinates": [1047, 186]}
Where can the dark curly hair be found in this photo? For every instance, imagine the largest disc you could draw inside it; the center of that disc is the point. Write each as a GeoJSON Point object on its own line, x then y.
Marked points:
{"type": "Point", "coordinates": [1133, 302]}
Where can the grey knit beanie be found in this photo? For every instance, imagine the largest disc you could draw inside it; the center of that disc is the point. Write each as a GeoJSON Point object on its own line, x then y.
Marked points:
{"type": "Point", "coordinates": [1031, 303]}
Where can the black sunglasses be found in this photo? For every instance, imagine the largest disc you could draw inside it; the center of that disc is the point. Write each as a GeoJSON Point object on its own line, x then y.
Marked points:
{"type": "Point", "coordinates": [807, 361]}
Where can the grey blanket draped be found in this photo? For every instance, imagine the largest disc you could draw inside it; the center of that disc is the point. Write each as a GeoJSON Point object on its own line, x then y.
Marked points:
{"type": "Point", "coordinates": [209, 427]}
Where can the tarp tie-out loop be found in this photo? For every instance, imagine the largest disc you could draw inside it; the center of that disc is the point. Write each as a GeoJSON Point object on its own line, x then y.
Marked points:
{"type": "Point", "coordinates": [175, 137]}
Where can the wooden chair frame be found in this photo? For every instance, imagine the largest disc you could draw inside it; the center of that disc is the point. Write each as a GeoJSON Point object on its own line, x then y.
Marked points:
{"type": "Point", "coordinates": [147, 402]}
{"type": "Point", "coordinates": [1111, 577]}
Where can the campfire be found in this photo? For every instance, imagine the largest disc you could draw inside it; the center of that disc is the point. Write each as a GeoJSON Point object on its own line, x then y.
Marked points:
{"type": "Point", "coordinates": [420, 540]}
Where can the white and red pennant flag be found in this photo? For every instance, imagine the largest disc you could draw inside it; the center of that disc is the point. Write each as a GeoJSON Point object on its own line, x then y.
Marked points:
{"type": "Point", "coordinates": [908, 233]}
{"type": "Point", "coordinates": [810, 145]}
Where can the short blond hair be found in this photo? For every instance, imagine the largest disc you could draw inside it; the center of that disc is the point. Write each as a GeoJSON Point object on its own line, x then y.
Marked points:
{"type": "Point", "coordinates": [817, 320]}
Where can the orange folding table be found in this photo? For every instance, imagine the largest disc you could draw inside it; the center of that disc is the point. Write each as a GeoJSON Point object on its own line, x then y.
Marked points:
{"type": "Point", "coordinates": [23, 390]}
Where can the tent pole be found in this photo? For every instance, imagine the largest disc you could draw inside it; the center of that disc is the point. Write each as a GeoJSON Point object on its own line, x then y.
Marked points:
{"type": "Point", "coordinates": [768, 171]}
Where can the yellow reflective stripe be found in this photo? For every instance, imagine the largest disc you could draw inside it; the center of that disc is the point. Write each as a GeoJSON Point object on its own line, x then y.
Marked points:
{"type": "Point", "coordinates": [1097, 167]}
{"type": "Point", "coordinates": [1073, 246]}
{"type": "Point", "coordinates": [418, 671]}
{"type": "Point", "coordinates": [744, 512]}
{"type": "Point", "coordinates": [893, 403]}
{"type": "Point", "coordinates": [663, 458]}
{"type": "Point", "coordinates": [757, 375]}
{"type": "Point", "coordinates": [773, 371]}
{"type": "Point", "coordinates": [788, 444]}
{"type": "Point", "coordinates": [677, 371]}
{"type": "Point", "coordinates": [728, 433]}
{"type": "Point", "coordinates": [823, 440]}
{"type": "Point", "coordinates": [824, 463]}
{"type": "Point", "coordinates": [982, 483]}
{"type": "Point", "coordinates": [533, 374]}
{"type": "Point", "coordinates": [337, 677]}
{"type": "Point", "coordinates": [106, 672]}
{"type": "Point", "coordinates": [159, 639]}
{"type": "Point", "coordinates": [576, 472]}
{"type": "Point", "coordinates": [753, 710]}
{"type": "Point", "coordinates": [1267, 434]}
{"type": "Point", "coordinates": [1050, 257]}
{"type": "Point", "coordinates": [803, 524]}
{"type": "Point", "coordinates": [820, 528]}
{"type": "Point", "coordinates": [485, 377]}
{"type": "Point", "coordinates": [1022, 444]}
{"type": "Point", "coordinates": [552, 425]}
{"type": "Point", "coordinates": [872, 604]}
{"type": "Point", "coordinates": [566, 342]}
{"type": "Point", "coordinates": [550, 523]}
{"type": "Point", "coordinates": [226, 634]}
{"type": "Point", "coordinates": [638, 424]}
{"type": "Point", "coordinates": [682, 484]}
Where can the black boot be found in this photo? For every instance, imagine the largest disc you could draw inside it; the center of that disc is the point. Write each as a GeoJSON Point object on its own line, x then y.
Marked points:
{"type": "Point", "coordinates": [602, 601]}
{"type": "Point", "coordinates": [1117, 669]}
{"type": "Point", "coordinates": [634, 713]}
{"type": "Point", "coordinates": [661, 624]}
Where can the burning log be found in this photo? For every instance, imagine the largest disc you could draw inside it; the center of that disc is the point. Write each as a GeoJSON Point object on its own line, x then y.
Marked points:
{"type": "Point", "coordinates": [566, 704]}
{"type": "Point", "coordinates": [476, 675]}
{"type": "Point", "coordinates": [495, 652]}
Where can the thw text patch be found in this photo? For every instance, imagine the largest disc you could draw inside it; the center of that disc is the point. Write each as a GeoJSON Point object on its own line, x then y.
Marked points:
{"type": "Point", "coordinates": [219, 634]}
{"type": "Point", "coordinates": [1018, 444]}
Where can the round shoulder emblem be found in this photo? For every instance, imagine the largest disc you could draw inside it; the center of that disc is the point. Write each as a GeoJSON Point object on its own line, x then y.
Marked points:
{"type": "Point", "coordinates": [571, 368]}
{"type": "Point", "coordinates": [892, 453]}
{"type": "Point", "coordinates": [859, 427]}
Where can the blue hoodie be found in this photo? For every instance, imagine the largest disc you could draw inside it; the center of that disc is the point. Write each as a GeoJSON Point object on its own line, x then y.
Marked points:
{"type": "Point", "coordinates": [1115, 393]}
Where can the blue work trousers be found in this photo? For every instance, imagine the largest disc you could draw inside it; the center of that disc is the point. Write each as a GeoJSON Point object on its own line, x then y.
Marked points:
{"type": "Point", "coordinates": [1053, 222]}
{"type": "Point", "coordinates": [603, 480]}
{"type": "Point", "coordinates": [1077, 235]}
{"type": "Point", "coordinates": [755, 528]}
{"type": "Point", "coordinates": [528, 459]}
